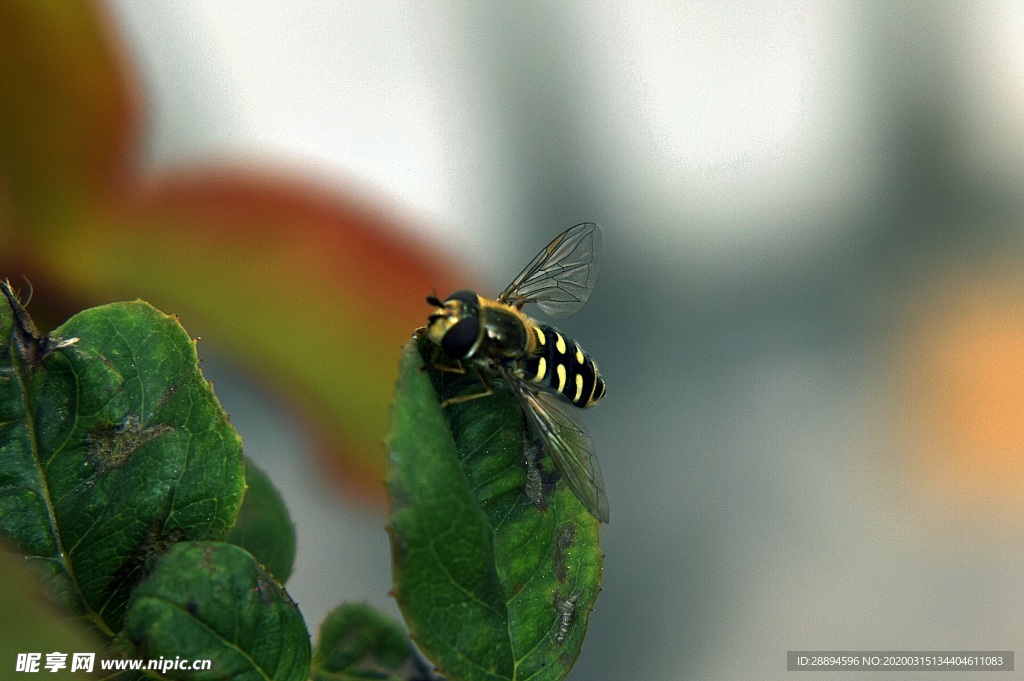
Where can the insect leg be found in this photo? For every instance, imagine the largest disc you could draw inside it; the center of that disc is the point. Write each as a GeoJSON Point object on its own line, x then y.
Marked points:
{"type": "Point", "coordinates": [436, 362]}
{"type": "Point", "coordinates": [458, 399]}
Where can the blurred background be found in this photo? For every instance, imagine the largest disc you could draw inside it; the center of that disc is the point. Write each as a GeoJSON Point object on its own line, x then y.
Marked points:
{"type": "Point", "coordinates": [810, 312]}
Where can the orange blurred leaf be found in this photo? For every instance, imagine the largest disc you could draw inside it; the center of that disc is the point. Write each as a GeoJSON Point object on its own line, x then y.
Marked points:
{"type": "Point", "coordinates": [316, 292]}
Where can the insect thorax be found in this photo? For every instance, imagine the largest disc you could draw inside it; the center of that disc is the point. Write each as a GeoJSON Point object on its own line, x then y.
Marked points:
{"type": "Point", "coordinates": [506, 331]}
{"type": "Point", "coordinates": [558, 364]}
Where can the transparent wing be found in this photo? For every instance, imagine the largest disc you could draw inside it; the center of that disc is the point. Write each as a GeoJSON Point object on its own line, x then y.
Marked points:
{"type": "Point", "coordinates": [562, 275]}
{"type": "Point", "coordinates": [557, 424]}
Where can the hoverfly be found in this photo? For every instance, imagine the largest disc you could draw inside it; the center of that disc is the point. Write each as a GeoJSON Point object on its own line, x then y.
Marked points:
{"type": "Point", "coordinates": [548, 372]}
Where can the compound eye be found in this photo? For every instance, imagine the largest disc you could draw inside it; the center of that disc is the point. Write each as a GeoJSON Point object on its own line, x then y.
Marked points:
{"type": "Point", "coordinates": [465, 295]}
{"type": "Point", "coordinates": [459, 340]}
{"type": "Point", "coordinates": [470, 301]}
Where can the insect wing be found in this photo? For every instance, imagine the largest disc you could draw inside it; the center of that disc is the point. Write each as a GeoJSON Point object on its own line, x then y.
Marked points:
{"type": "Point", "coordinates": [562, 275]}
{"type": "Point", "coordinates": [560, 430]}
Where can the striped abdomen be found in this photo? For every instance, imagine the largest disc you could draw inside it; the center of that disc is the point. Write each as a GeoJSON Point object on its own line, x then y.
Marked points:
{"type": "Point", "coordinates": [560, 365]}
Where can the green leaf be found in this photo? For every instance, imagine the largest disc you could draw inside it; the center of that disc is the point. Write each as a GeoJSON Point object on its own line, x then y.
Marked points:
{"type": "Point", "coordinates": [264, 528]}
{"type": "Point", "coordinates": [112, 447]}
{"type": "Point", "coordinates": [206, 600]}
{"type": "Point", "coordinates": [358, 642]}
{"type": "Point", "coordinates": [492, 584]}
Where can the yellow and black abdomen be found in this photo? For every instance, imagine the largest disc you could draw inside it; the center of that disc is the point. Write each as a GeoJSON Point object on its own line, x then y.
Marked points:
{"type": "Point", "coordinates": [558, 364]}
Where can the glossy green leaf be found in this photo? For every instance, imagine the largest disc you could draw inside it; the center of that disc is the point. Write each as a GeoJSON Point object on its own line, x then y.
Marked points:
{"type": "Point", "coordinates": [213, 601]}
{"type": "Point", "coordinates": [357, 642]}
{"type": "Point", "coordinates": [492, 585]}
{"type": "Point", "coordinates": [264, 527]}
{"type": "Point", "coordinates": [112, 447]}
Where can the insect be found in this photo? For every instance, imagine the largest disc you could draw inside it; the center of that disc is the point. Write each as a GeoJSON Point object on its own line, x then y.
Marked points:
{"type": "Point", "coordinates": [551, 376]}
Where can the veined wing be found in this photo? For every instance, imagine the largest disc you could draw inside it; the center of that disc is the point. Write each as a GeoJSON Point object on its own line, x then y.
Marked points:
{"type": "Point", "coordinates": [562, 275]}
{"type": "Point", "coordinates": [559, 428]}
